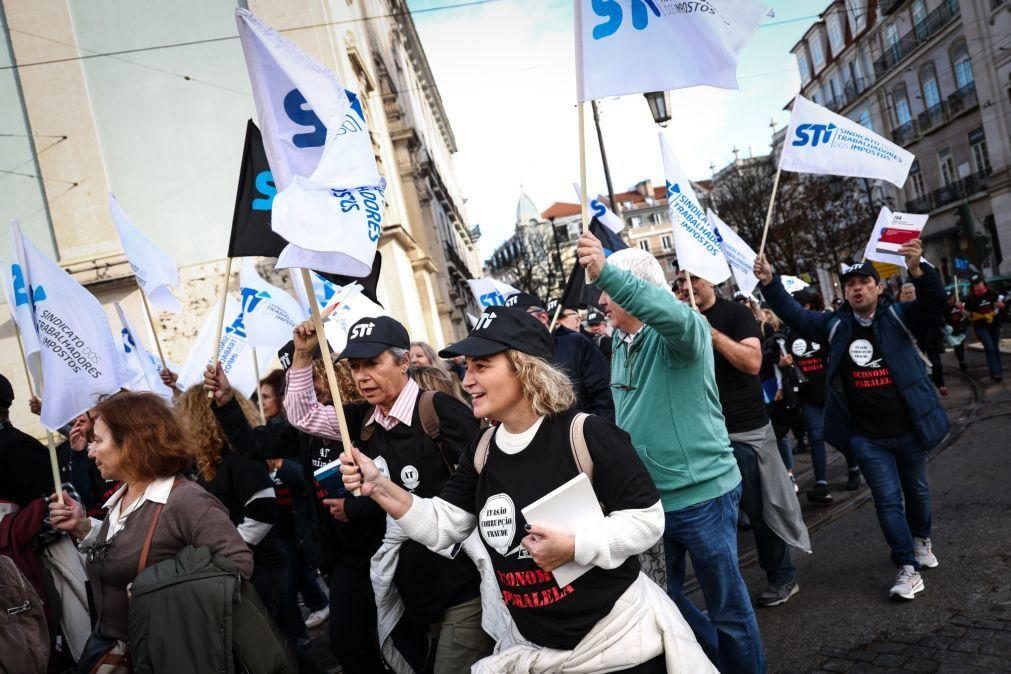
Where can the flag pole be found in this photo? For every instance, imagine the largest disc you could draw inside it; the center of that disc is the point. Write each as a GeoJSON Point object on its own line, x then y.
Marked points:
{"type": "Point", "coordinates": [221, 314]}
{"type": "Point", "coordinates": [24, 360]}
{"type": "Point", "coordinates": [53, 463]}
{"type": "Point", "coordinates": [558, 310]}
{"type": "Point", "coordinates": [331, 375]}
{"type": "Point", "coordinates": [768, 213]}
{"type": "Point", "coordinates": [582, 168]}
{"type": "Point", "coordinates": [691, 291]}
{"type": "Point", "coordinates": [259, 389]}
{"type": "Point", "coordinates": [154, 330]}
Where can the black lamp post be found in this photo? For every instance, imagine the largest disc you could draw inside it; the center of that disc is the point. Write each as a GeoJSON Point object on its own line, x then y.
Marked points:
{"type": "Point", "coordinates": [659, 106]}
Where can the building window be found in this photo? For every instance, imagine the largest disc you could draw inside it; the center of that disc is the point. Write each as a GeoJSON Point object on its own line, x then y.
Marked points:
{"type": "Point", "coordinates": [835, 34]}
{"type": "Point", "coordinates": [891, 35]}
{"type": "Point", "coordinates": [928, 83]}
{"type": "Point", "coordinates": [947, 165]}
{"type": "Point", "coordinates": [902, 113]}
{"type": "Point", "coordinates": [962, 66]}
{"type": "Point", "coordinates": [635, 221]}
{"type": "Point", "coordinates": [816, 96]}
{"type": "Point", "coordinates": [980, 156]}
{"type": "Point", "coordinates": [858, 14]}
{"type": "Point", "coordinates": [817, 52]}
{"type": "Point", "coordinates": [919, 14]}
{"type": "Point", "coordinates": [919, 190]}
{"type": "Point", "coordinates": [805, 72]}
{"type": "Point", "coordinates": [666, 241]}
{"type": "Point", "coordinates": [865, 119]}
{"type": "Point", "coordinates": [644, 244]}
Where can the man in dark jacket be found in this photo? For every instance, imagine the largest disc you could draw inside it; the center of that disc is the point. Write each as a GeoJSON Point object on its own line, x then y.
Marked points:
{"type": "Point", "coordinates": [25, 474]}
{"type": "Point", "coordinates": [596, 325]}
{"type": "Point", "coordinates": [577, 357]}
{"type": "Point", "coordinates": [880, 400]}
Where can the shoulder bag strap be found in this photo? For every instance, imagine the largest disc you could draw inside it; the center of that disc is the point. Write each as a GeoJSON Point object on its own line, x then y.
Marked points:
{"type": "Point", "coordinates": [431, 424]}
{"type": "Point", "coordinates": [150, 530]}
{"type": "Point", "coordinates": [367, 428]}
{"type": "Point", "coordinates": [483, 446]}
{"type": "Point", "coordinates": [577, 440]}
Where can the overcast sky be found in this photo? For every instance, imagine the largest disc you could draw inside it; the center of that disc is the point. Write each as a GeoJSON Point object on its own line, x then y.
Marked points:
{"type": "Point", "coordinates": [506, 72]}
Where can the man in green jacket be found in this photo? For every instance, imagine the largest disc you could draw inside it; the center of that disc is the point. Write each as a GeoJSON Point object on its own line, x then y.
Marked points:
{"type": "Point", "coordinates": [665, 397]}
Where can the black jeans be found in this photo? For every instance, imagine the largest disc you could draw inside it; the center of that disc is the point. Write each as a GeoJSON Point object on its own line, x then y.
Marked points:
{"type": "Point", "coordinates": [773, 552]}
{"type": "Point", "coordinates": [353, 638]}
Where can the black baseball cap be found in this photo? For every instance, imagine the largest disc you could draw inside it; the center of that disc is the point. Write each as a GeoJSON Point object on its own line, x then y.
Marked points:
{"type": "Point", "coordinates": [740, 296]}
{"type": "Point", "coordinates": [865, 268]}
{"type": "Point", "coordinates": [501, 328]}
{"type": "Point", "coordinates": [524, 301]}
{"type": "Point", "coordinates": [804, 296]}
{"type": "Point", "coordinates": [595, 316]}
{"type": "Point", "coordinates": [975, 278]}
{"type": "Point", "coordinates": [369, 337]}
{"type": "Point", "coordinates": [7, 392]}
{"type": "Point", "coordinates": [286, 354]}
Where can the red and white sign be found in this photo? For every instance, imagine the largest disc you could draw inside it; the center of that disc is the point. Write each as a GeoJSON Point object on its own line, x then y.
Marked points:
{"type": "Point", "coordinates": [891, 232]}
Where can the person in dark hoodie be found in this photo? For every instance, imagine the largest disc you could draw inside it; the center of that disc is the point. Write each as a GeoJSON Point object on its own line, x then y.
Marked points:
{"type": "Point", "coordinates": [576, 356]}
{"type": "Point", "coordinates": [880, 402]}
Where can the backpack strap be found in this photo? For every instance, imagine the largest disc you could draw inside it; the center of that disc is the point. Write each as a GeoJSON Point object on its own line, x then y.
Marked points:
{"type": "Point", "coordinates": [577, 440]}
{"type": "Point", "coordinates": [367, 428]}
{"type": "Point", "coordinates": [483, 446]}
{"type": "Point", "coordinates": [150, 530]}
{"type": "Point", "coordinates": [431, 424]}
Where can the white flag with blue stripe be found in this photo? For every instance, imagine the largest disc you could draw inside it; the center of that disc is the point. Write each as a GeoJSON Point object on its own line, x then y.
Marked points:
{"type": "Point", "coordinates": [19, 301]}
{"type": "Point", "coordinates": [331, 198]}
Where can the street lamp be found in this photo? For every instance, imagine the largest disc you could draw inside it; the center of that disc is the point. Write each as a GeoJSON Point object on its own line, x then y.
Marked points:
{"type": "Point", "coordinates": [659, 106]}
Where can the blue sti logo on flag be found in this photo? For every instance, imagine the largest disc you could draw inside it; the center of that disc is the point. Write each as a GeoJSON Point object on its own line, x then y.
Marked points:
{"type": "Point", "coordinates": [813, 134]}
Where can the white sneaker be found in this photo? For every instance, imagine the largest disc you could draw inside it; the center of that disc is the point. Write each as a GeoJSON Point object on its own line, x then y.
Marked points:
{"type": "Point", "coordinates": [317, 618]}
{"type": "Point", "coordinates": [923, 553]}
{"type": "Point", "coordinates": [908, 583]}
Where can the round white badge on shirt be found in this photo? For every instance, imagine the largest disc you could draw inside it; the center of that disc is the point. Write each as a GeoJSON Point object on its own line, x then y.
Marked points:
{"type": "Point", "coordinates": [382, 466]}
{"type": "Point", "coordinates": [861, 352]}
{"type": "Point", "coordinates": [799, 347]}
{"type": "Point", "coordinates": [497, 522]}
{"type": "Point", "coordinates": [409, 476]}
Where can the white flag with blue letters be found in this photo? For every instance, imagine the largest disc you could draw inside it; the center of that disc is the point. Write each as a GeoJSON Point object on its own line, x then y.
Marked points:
{"type": "Point", "coordinates": [739, 254]}
{"type": "Point", "coordinates": [820, 141]}
{"type": "Point", "coordinates": [331, 198]}
{"type": "Point", "coordinates": [270, 313]}
{"type": "Point", "coordinates": [598, 209]}
{"type": "Point", "coordinates": [636, 46]}
{"type": "Point", "coordinates": [81, 361]}
{"type": "Point", "coordinates": [145, 367]}
{"type": "Point", "coordinates": [19, 301]}
{"type": "Point", "coordinates": [696, 244]}
{"type": "Point", "coordinates": [490, 292]}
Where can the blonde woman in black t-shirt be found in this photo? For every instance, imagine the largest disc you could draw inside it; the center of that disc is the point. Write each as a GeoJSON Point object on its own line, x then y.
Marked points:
{"type": "Point", "coordinates": [612, 618]}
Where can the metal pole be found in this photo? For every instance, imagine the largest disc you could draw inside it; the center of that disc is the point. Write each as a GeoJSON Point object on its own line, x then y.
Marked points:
{"type": "Point", "coordinates": [603, 158]}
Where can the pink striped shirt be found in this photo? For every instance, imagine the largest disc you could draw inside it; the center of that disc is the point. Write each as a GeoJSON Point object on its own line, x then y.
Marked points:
{"type": "Point", "coordinates": [307, 414]}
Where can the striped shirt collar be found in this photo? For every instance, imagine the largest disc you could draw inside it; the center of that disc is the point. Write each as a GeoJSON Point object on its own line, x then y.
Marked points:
{"type": "Point", "coordinates": [402, 410]}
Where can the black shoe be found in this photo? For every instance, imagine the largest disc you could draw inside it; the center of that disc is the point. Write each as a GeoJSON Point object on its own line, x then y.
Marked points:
{"type": "Point", "coordinates": [775, 595]}
{"type": "Point", "coordinates": [963, 366]}
{"type": "Point", "coordinates": [820, 494]}
{"type": "Point", "coordinates": [853, 481]}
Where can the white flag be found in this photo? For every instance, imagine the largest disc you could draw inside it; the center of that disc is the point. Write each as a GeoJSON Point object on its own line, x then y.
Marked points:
{"type": "Point", "coordinates": [155, 271]}
{"type": "Point", "coordinates": [19, 301]}
{"type": "Point", "coordinates": [490, 292]}
{"type": "Point", "coordinates": [820, 141]}
{"type": "Point", "coordinates": [81, 361]}
{"type": "Point", "coordinates": [598, 209]}
{"type": "Point", "coordinates": [330, 198]}
{"type": "Point", "coordinates": [328, 294]}
{"type": "Point", "coordinates": [270, 313]}
{"type": "Point", "coordinates": [353, 307]}
{"type": "Point", "coordinates": [739, 254]}
{"type": "Point", "coordinates": [891, 231]}
{"type": "Point", "coordinates": [142, 363]}
{"type": "Point", "coordinates": [792, 283]}
{"type": "Point", "coordinates": [234, 349]}
{"type": "Point", "coordinates": [659, 45]}
{"type": "Point", "coordinates": [696, 244]}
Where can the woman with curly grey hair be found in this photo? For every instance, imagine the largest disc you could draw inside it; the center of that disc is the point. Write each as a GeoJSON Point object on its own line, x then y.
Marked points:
{"type": "Point", "coordinates": [612, 618]}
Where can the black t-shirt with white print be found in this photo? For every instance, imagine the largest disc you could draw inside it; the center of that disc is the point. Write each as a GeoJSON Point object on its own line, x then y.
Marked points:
{"type": "Point", "coordinates": [876, 408]}
{"type": "Point", "coordinates": [812, 359]}
{"type": "Point", "coordinates": [544, 613]}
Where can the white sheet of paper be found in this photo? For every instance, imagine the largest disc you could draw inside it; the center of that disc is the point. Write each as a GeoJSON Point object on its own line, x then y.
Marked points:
{"type": "Point", "coordinates": [571, 508]}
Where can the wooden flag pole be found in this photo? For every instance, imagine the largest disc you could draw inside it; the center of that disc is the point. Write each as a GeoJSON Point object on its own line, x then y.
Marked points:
{"type": "Point", "coordinates": [221, 315]}
{"type": "Point", "coordinates": [154, 329]}
{"type": "Point", "coordinates": [691, 291]}
{"type": "Point", "coordinates": [259, 389]}
{"type": "Point", "coordinates": [24, 360]}
{"type": "Point", "coordinates": [957, 300]}
{"type": "Point", "coordinates": [558, 310]}
{"type": "Point", "coordinates": [331, 375]}
{"type": "Point", "coordinates": [768, 213]}
{"type": "Point", "coordinates": [53, 462]}
{"type": "Point", "coordinates": [582, 168]}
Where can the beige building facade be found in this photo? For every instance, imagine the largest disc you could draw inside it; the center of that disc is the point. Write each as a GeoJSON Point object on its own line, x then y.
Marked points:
{"type": "Point", "coordinates": [149, 101]}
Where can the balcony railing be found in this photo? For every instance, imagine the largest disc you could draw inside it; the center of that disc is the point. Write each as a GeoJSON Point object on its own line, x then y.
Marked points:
{"type": "Point", "coordinates": [933, 117]}
{"type": "Point", "coordinates": [961, 189]}
{"type": "Point", "coordinates": [963, 99]}
{"type": "Point", "coordinates": [836, 103]}
{"type": "Point", "coordinates": [905, 134]}
{"type": "Point", "coordinates": [921, 32]}
{"type": "Point", "coordinates": [854, 88]}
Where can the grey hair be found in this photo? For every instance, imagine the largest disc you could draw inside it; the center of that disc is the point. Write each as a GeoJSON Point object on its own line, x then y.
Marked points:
{"type": "Point", "coordinates": [399, 355]}
{"type": "Point", "coordinates": [640, 264]}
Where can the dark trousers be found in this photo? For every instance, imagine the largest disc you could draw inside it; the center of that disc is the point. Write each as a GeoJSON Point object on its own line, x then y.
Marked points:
{"type": "Point", "coordinates": [989, 337]}
{"type": "Point", "coordinates": [289, 616]}
{"type": "Point", "coordinates": [353, 638]}
{"type": "Point", "coordinates": [308, 585]}
{"type": "Point", "coordinates": [773, 552]}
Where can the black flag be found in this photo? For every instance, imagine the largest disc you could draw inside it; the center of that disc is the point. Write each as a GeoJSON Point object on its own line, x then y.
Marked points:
{"type": "Point", "coordinates": [368, 283]}
{"type": "Point", "coordinates": [578, 293]}
{"type": "Point", "coordinates": [251, 232]}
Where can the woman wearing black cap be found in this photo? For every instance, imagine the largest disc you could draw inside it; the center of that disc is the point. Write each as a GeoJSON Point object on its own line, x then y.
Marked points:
{"type": "Point", "coordinates": [417, 437]}
{"type": "Point", "coordinates": [612, 618]}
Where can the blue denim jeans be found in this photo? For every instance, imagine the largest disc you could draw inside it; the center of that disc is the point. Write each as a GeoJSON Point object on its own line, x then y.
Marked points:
{"type": "Point", "coordinates": [708, 532]}
{"type": "Point", "coordinates": [814, 424]}
{"type": "Point", "coordinates": [989, 337]}
{"type": "Point", "coordinates": [896, 471]}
